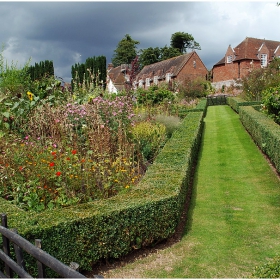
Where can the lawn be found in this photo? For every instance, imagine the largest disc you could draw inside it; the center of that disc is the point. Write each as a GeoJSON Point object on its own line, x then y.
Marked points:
{"type": "Point", "coordinates": [233, 222]}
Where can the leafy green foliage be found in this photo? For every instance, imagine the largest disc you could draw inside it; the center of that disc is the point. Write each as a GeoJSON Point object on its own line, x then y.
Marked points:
{"type": "Point", "coordinates": [90, 74]}
{"type": "Point", "coordinates": [268, 270]}
{"type": "Point", "coordinates": [152, 55]}
{"type": "Point", "coordinates": [259, 80]}
{"type": "Point", "coordinates": [236, 102]}
{"type": "Point", "coordinates": [125, 51]}
{"type": "Point", "coordinates": [149, 137]}
{"type": "Point", "coordinates": [154, 95]}
{"type": "Point", "coordinates": [264, 131]}
{"type": "Point", "coordinates": [41, 69]}
{"type": "Point", "coordinates": [271, 103]}
{"type": "Point", "coordinates": [197, 88]}
{"type": "Point", "coordinates": [183, 41]}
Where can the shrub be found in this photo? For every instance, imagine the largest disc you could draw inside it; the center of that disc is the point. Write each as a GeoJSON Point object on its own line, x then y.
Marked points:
{"type": "Point", "coordinates": [149, 138]}
{"type": "Point", "coordinates": [195, 88]}
{"type": "Point", "coordinates": [171, 123]}
{"type": "Point", "coordinates": [264, 131]}
{"type": "Point", "coordinates": [154, 95]}
{"type": "Point", "coordinates": [259, 80]}
{"type": "Point", "coordinates": [271, 103]}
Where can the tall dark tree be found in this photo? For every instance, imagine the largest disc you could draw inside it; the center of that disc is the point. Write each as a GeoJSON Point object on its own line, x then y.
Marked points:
{"type": "Point", "coordinates": [125, 52]}
{"type": "Point", "coordinates": [183, 41]}
{"type": "Point", "coordinates": [41, 69]}
{"type": "Point", "coordinates": [95, 66]}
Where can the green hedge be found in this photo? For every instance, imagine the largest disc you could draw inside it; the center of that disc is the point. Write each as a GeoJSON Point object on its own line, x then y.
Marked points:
{"type": "Point", "coordinates": [200, 107]}
{"type": "Point", "coordinates": [149, 213]}
{"type": "Point", "coordinates": [264, 131]}
{"type": "Point", "coordinates": [236, 102]}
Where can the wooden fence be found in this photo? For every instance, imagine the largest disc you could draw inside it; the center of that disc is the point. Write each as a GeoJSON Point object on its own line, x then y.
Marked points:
{"type": "Point", "coordinates": [43, 259]}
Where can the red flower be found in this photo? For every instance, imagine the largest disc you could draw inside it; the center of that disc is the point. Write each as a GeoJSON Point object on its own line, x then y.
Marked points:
{"type": "Point", "coordinates": [74, 152]}
{"type": "Point", "coordinates": [58, 173]}
{"type": "Point", "coordinates": [53, 153]}
{"type": "Point", "coordinates": [51, 164]}
{"type": "Point", "coordinates": [20, 168]}
{"type": "Point", "coordinates": [68, 158]}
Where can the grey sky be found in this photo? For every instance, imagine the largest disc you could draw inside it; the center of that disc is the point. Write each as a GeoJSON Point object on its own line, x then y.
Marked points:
{"type": "Point", "coordinates": [70, 32]}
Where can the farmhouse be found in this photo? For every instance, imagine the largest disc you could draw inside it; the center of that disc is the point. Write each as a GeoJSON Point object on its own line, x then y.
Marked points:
{"type": "Point", "coordinates": [117, 77]}
{"type": "Point", "coordinates": [179, 68]}
{"type": "Point", "coordinates": [250, 54]}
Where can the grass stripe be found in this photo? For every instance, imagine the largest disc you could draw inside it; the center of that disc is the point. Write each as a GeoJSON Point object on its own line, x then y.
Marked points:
{"type": "Point", "coordinates": [234, 220]}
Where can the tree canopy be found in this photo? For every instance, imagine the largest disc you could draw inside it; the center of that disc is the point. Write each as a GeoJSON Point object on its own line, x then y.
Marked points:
{"type": "Point", "coordinates": [39, 70]}
{"type": "Point", "coordinates": [183, 41]}
{"type": "Point", "coordinates": [125, 51]}
{"type": "Point", "coordinates": [152, 55]}
{"type": "Point", "coordinates": [94, 69]}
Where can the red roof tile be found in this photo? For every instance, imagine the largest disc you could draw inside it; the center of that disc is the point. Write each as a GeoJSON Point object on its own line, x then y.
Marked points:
{"type": "Point", "coordinates": [249, 48]}
{"type": "Point", "coordinates": [172, 65]}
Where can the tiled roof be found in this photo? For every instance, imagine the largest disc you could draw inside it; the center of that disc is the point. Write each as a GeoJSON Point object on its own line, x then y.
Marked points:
{"type": "Point", "coordinates": [248, 49]}
{"type": "Point", "coordinates": [117, 76]}
{"type": "Point", "coordinates": [172, 65]}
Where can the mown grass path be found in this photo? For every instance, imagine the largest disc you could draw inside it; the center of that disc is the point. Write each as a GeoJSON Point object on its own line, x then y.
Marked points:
{"type": "Point", "coordinates": [234, 218]}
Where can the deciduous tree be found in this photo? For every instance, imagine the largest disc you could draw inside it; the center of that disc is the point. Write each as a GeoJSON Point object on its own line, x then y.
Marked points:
{"type": "Point", "coordinates": [183, 41]}
{"type": "Point", "coordinates": [126, 51]}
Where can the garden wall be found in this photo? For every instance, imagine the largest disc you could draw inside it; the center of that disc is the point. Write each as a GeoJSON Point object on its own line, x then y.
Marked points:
{"type": "Point", "coordinates": [264, 131]}
{"type": "Point", "coordinates": [148, 213]}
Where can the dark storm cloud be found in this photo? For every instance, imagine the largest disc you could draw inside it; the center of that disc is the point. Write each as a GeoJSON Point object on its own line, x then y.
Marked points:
{"type": "Point", "coordinates": [70, 32]}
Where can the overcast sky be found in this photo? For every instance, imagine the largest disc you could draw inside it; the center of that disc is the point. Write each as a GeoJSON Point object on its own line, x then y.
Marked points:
{"type": "Point", "coordinates": [70, 32]}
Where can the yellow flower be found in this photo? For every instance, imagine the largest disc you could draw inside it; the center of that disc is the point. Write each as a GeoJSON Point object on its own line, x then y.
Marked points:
{"type": "Point", "coordinates": [30, 95]}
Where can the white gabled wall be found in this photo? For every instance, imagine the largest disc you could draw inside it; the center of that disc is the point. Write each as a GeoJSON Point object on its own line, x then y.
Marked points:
{"type": "Point", "coordinates": [111, 87]}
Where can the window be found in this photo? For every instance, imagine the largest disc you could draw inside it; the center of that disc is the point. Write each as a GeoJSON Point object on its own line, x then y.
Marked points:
{"type": "Point", "coordinates": [167, 77]}
{"type": "Point", "coordinates": [140, 83]}
{"type": "Point", "coordinates": [229, 58]}
{"type": "Point", "coordinates": [155, 80]}
{"type": "Point", "coordinates": [194, 64]}
{"type": "Point", "coordinates": [263, 60]}
{"type": "Point", "coordinates": [147, 82]}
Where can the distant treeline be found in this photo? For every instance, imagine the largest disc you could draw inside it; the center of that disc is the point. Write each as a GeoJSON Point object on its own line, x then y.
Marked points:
{"type": "Point", "coordinates": [41, 69]}
{"type": "Point", "coordinates": [93, 70]}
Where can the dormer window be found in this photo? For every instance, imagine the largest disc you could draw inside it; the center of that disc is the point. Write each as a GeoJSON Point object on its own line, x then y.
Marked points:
{"type": "Point", "coordinates": [147, 82]}
{"type": "Point", "coordinates": [168, 77]}
{"type": "Point", "coordinates": [155, 80]}
{"type": "Point", "coordinates": [229, 58]}
{"type": "Point", "coordinates": [263, 60]}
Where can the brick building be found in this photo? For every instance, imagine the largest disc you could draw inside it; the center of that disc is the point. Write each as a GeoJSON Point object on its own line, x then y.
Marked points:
{"type": "Point", "coordinates": [179, 68]}
{"type": "Point", "coordinates": [250, 54]}
{"type": "Point", "coordinates": [117, 77]}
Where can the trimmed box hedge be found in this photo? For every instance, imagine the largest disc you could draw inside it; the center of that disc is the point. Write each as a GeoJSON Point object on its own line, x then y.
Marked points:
{"type": "Point", "coordinates": [148, 213]}
{"type": "Point", "coordinates": [183, 111]}
{"type": "Point", "coordinates": [264, 131]}
{"type": "Point", "coordinates": [236, 102]}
